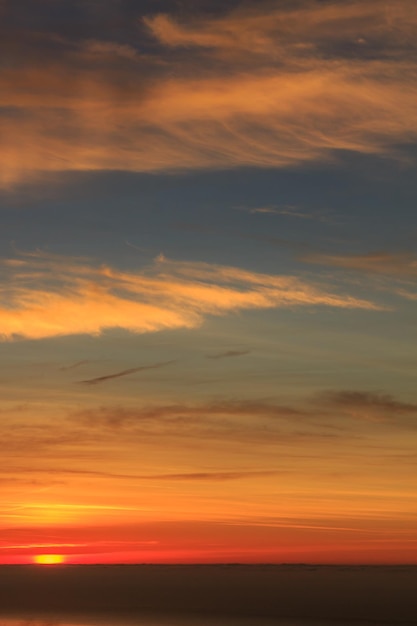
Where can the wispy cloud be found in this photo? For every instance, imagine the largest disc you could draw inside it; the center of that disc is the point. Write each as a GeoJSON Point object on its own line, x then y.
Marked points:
{"type": "Point", "coordinates": [402, 264]}
{"type": "Point", "coordinates": [228, 354]}
{"type": "Point", "coordinates": [20, 474]}
{"type": "Point", "coordinates": [83, 436]}
{"type": "Point", "coordinates": [45, 295]}
{"type": "Point", "coordinates": [73, 366]}
{"type": "Point", "coordinates": [213, 476]}
{"type": "Point", "coordinates": [127, 372]}
{"type": "Point", "coordinates": [236, 421]}
{"type": "Point", "coordinates": [288, 211]}
{"type": "Point", "coordinates": [368, 405]}
{"type": "Point", "coordinates": [295, 31]}
{"type": "Point", "coordinates": [268, 87]}
{"type": "Point", "coordinates": [334, 413]}
{"type": "Point", "coordinates": [176, 414]}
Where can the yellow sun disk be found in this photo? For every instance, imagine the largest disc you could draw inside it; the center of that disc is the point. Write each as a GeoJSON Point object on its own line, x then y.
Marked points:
{"type": "Point", "coordinates": [49, 559]}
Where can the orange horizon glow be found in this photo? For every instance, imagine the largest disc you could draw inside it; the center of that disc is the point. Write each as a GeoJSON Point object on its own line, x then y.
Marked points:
{"type": "Point", "coordinates": [337, 558]}
{"type": "Point", "coordinates": [335, 553]}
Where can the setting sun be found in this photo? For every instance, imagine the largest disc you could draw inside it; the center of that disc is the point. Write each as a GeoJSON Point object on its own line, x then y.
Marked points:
{"type": "Point", "coordinates": [49, 559]}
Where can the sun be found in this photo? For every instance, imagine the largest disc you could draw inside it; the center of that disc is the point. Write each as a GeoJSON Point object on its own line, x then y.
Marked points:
{"type": "Point", "coordinates": [49, 559]}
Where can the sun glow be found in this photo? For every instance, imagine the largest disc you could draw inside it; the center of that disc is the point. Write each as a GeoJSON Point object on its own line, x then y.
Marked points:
{"type": "Point", "coordinates": [49, 559]}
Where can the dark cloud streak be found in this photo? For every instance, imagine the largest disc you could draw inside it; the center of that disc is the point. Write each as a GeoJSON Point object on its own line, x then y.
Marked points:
{"type": "Point", "coordinates": [380, 402]}
{"type": "Point", "coordinates": [184, 476]}
{"type": "Point", "coordinates": [73, 366]}
{"type": "Point", "coordinates": [132, 370]}
{"type": "Point", "coordinates": [228, 354]}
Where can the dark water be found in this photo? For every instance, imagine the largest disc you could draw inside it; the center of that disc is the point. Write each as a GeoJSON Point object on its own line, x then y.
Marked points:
{"type": "Point", "coordinates": [217, 595]}
{"type": "Point", "coordinates": [149, 620]}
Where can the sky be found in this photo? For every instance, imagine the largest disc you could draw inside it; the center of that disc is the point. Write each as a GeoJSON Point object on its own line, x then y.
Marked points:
{"type": "Point", "coordinates": [208, 281]}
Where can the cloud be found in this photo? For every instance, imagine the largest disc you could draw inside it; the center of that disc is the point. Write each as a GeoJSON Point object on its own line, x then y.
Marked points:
{"type": "Point", "coordinates": [48, 296]}
{"type": "Point", "coordinates": [132, 370]}
{"type": "Point", "coordinates": [370, 406]}
{"type": "Point", "coordinates": [288, 211]}
{"type": "Point", "coordinates": [255, 421]}
{"type": "Point", "coordinates": [314, 410]}
{"type": "Point", "coordinates": [270, 87]}
{"type": "Point", "coordinates": [88, 436]}
{"type": "Point", "coordinates": [73, 366]}
{"type": "Point", "coordinates": [228, 354]}
{"type": "Point", "coordinates": [21, 437]}
{"type": "Point", "coordinates": [116, 416]}
{"type": "Point", "coordinates": [84, 439]}
{"type": "Point", "coordinates": [329, 413]}
{"type": "Point", "coordinates": [368, 401]}
{"type": "Point", "coordinates": [402, 264]}
{"type": "Point", "coordinates": [213, 476]}
{"type": "Point", "coordinates": [291, 30]}
{"type": "Point", "coordinates": [107, 49]}
{"type": "Point", "coordinates": [20, 475]}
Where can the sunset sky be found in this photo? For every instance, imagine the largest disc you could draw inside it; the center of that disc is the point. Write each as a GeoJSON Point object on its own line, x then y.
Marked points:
{"type": "Point", "coordinates": [208, 270]}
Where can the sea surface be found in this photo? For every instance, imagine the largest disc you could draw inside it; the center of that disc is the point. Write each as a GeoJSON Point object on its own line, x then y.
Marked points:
{"type": "Point", "coordinates": [208, 595]}
{"type": "Point", "coordinates": [175, 620]}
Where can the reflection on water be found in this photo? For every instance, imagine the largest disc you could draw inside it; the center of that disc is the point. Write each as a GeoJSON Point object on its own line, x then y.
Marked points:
{"type": "Point", "coordinates": [153, 620]}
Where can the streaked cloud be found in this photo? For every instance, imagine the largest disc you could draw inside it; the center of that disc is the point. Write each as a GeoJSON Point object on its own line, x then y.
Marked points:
{"type": "Point", "coordinates": [83, 435]}
{"type": "Point", "coordinates": [127, 372]}
{"type": "Point", "coordinates": [47, 296]}
{"type": "Point", "coordinates": [121, 416]}
{"type": "Point", "coordinates": [228, 354]}
{"type": "Point", "coordinates": [107, 49]}
{"type": "Point", "coordinates": [20, 475]}
{"type": "Point", "coordinates": [368, 404]}
{"type": "Point", "coordinates": [289, 211]}
{"type": "Point", "coordinates": [331, 413]}
{"type": "Point", "coordinates": [73, 366]}
{"type": "Point", "coordinates": [302, 28]}
{"type": "Point", "coordinates": [401, 264]}
{"type": "Point", "coordinates": [216, 423]}
{"type": "Point", "coordinates": [269, 87]}
{"type": "Point", "coordinates": [213, 476]}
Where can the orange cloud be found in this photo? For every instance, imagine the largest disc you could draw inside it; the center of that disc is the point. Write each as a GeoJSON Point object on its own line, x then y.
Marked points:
{"type": "Point", "coordinates": [168, 295]}
{"type": "Point", "coordinates": [401, 264]}
{"type": "Point", "coordinates": [283, 94]}
{"type": "Point", "coordinates": [270, 28]}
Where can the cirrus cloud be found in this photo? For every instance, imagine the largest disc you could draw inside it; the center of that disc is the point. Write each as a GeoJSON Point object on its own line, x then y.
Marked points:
{"type": "Point", "coordinates": [47, 295]}
{"type": "Point", "coordinates": [273, 87]}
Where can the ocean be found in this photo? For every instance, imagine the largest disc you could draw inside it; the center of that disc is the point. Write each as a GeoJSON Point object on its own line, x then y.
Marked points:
{"type": "Point", "coordinates": [208, 595]}
{"type": "Point", "coordinates": [149, 620]}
